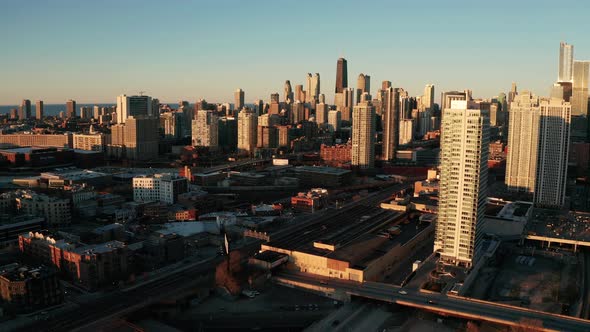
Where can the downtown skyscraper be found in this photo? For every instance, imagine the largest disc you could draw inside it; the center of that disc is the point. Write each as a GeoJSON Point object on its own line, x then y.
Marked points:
{"type": "Point", "coordinates": [341, 75]}
{"type": "Point", "coordinates": [313, 88]}
{"type": "Point", "coordinates": [363, 85]}
{"type": "Point", "coordinates": [363, 135]}
{"type": "Point", "coordinates": [239, 99]}
{"type": "Point", "coordinates": [391, 123]}
{"type": "Point", "coordinates": [463, 182]}
{"type": "Point", "coordinates": [128, 106]}
{"type": "Point", "coordinates": [566, 61]}
{"type": "Point", "coordinates": [39, 110]}
{"type": "Point", "coordinates": [579, 98]}
{"type": "Point", "coordinates": [71, 108]}
{"type": "Point", "coordinates": [24, 112]}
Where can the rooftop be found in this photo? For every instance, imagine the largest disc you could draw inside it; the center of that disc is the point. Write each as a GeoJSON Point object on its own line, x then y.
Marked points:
{"type": "Point", "coordinates": [188, 228]}
{"type": "Point", "coordinates": [322, 169]}
{"type": "Point", "coordinates": [18, 272]}
{"type": "Point", "coordinates": [357, 236]}
{"type": "Point", "coordinates": [100, 248]}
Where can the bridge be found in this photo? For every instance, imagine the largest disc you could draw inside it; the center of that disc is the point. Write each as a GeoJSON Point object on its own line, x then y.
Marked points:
{"type": "Point", "coordinates": [456, 306]}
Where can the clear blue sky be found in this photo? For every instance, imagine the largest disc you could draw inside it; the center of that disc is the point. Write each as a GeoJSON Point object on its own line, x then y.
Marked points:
{"type": "Point", "coordinates": [93, 51]}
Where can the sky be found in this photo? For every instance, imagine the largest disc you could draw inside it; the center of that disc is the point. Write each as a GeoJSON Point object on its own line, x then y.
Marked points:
{"type": "Point", "coordinates": [92, 51]}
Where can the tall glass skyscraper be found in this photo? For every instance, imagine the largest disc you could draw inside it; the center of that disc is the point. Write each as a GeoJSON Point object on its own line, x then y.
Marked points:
{"type": "Point", "coordinates": [566, 60]}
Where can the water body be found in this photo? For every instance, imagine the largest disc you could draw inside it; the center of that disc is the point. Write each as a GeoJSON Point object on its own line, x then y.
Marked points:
{"type": "Point", "coordinates": [49, 109]}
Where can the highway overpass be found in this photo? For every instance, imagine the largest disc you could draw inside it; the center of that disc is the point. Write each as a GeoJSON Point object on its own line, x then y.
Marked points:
{"type": "Point", "coordinates": [448, 305]}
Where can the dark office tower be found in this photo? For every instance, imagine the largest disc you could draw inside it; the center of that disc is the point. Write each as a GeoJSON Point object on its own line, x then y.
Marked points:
{"type": "Point", "coordinates": [228, 133]}
{"type": "Point", "coordinates": [25, 109]}
{"type": "Point", "coordinates": [71, 108]}
{"type": "Point", "coordinates": [259, 104]}
{"type": "Point", "coordinates": [391, 124]}
{"type": "Point", "coordinates": [341, 75]}
{"type": "Point", "coordinates": [363, 85]}
{"type": "Point", "coordinates": [385, 85]}
{"type": "Point", "coordinates": [183, 103]}
{"type": "Point", "coordinates": [288, 92]}
{"type": "Point", "coordinates": [239, 99]}
{"type": "Point", "coordinates": [274, 98]}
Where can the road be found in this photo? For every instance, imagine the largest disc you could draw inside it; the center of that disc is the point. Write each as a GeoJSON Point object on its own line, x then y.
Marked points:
{"type": "Point", "coordinates": [372, 199]}
{"type": "Point", "coordinates": [450, 305]}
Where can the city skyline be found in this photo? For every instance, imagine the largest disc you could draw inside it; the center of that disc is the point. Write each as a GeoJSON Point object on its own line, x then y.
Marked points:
{"type": "Point", "coordinates": [199, 61]}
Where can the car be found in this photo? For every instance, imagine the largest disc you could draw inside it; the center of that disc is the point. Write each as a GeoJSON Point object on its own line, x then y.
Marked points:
{"type": "Point", "coordinates": [403, 292]}
{"type": "Point", "coordinates": [431, 302]}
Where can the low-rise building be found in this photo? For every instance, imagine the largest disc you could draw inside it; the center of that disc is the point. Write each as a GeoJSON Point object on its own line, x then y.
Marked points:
{"type": "Point", "coordinates": [159, 187]}
{"type": "Point", "coordinates": [55, 211]}
{"type": "Point", "coordinates": [27, 288]}
{"type": "Point", "coordinates": [90, 266]}
{"type": "Point", "coordinates": [326, 177]}
{"type": "Point", "coordinates": [310, 201]}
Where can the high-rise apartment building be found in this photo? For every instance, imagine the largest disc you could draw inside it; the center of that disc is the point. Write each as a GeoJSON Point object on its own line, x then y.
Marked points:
{"type": "Point", "coordinates": [463, 183]}
{"type": "Point", "coordinates": [579, 98]}
{"type": "Point", "coordinates": [39, 110]}
{"type": "Point", "coordinates": [247, 131]}
{"type": "Point", "coordinates": [552, 158]}
{"type": "Point", "coordinates": [363, 135]}
{"type": "Point", "coordinates": [239, 99]}
{"type": "Point", "coordinates": [134, 106]}
{"type": "Point", "coordinates": [341, 75]}
{"type": "Point", "coordinates": [523, 142]}
{"type": "Point", "coordinates": [205, 130]}
{"type": "Point", "coordinates": [390, 124]}
{"type": "Point", "coordinates": [172, 124]}
{"type": "Point", "coordinates": [24, 112]}
{"type": "Point", "coordinates": [71, 108]}
{"type": "Point", "coordinates": [566, 60]}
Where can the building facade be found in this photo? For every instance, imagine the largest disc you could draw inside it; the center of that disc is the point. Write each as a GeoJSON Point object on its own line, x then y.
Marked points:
{"type": "Point", "coordinates": [363, 135]}
{"type": "Point", "coordinates": [523, 142]}
{"type": "Point", "coordinates": [205, 130]}
{"type": "Point", "coordinates": [247, 131]}
{"type": "Point", "coordinates": [552, 158]}
{"type": "Point", "coordinates": [463, 183]}
{"type": "Point", "coordinates": [163, 188]}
